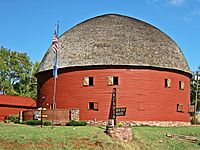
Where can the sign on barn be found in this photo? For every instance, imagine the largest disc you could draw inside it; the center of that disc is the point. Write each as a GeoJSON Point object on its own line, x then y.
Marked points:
{"type": "Point", "coordinates": [120, 111]}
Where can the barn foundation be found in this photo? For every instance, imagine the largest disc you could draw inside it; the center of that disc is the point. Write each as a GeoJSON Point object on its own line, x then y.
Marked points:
{"type": "Point", "coordinates": [143, 123]}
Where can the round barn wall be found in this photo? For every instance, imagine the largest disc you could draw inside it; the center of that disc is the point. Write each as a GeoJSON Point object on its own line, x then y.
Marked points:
{"type": "Point", "coordinates": [152, 73]}
{"type": "Point", "coordinates": [141, 91]}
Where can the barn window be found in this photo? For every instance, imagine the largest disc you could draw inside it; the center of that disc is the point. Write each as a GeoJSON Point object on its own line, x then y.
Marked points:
{"type": "Point", "coordinates": [88, 81]}
{"type": "Point", "coordinates": [113, 80]}
{"type": "Point", "coordinates": [179, 107]}
{"type": "Point", "coordinates": [168, 83]}
{"type": "Point", "coordinates": [181, 85]}
{"type": "Point", "coordinates": [93, 106]}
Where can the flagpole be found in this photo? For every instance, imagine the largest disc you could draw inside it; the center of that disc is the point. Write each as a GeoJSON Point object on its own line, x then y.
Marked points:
{"type": "Point", "coordinates": [58, 28]}
{"type": "Point", "coordinates": [55, 77]}
{"type": "Point", "coordinates": [54, 97]}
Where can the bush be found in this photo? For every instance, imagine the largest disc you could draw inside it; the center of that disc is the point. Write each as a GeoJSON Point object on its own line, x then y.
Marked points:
{"type": "Point", "coordinates": [120, 125]}
{"type": "Point", "coordinates": [33, 122]}
{"type": "Point", "coordinates": [23, 122]}
{"type": "Point", "coordinates": [17, 121]}
{"type": "Point", "coordinates": [197, 120]}
{"type": "Point", "coordinates": [7, 121]}
{"type": "Point", "coordinates": [76, 123]}
{"type": "Point", "coordinates": [46, 123]}
{"type": "Point", "coordinates": [13, 118]}
{"type": "Point", "coordinates": [38, 122]}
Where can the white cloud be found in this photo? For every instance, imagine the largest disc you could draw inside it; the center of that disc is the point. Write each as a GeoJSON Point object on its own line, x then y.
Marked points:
{"type": "Point", "coordinates": [175, 2]}
{"type": "Point", "coordinates": [169, 2]}
{"type": "Point", "coordinates": [192, 14]}
{"type": "Point", "coordinates": [152, 1]}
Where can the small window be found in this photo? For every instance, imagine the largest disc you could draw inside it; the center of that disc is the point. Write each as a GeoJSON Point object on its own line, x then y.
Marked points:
{"type": "Point", "coordinates": [181, 85]}
{"type": "Point", "coordinates": [88, 81]}
{"type": "Point", "coordinates": [113, 80]}
{"type": "Point", "coordinates": [168, 83]}
{"type": "Point", "coordinates": [179, 107]}
{"type": "Point", "coordinates": [93, 106]}
{"type": "Point", "coordinates": [91, 81]}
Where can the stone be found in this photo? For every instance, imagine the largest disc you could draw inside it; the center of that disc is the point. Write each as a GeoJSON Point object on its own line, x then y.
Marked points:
{"type": "Point", "coordinates": [182, 137]}
{"type": "Point", "coordinates": [120, 133]}
{"type": "Point", "coordinates": [142, 123]}
{"type": "Point", "coordinates": [74, 114]}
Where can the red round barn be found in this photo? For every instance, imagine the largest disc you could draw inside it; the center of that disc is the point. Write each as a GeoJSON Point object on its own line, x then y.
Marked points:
{"type": "Point", "coordinates": [147, 68]}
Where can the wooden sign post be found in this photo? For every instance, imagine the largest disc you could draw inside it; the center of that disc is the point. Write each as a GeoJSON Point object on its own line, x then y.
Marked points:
{"type": "Point", "coordinates": [114, 111]}
{"type": "Point", "coordinates": [113, 106]}
{"type": "Point", "coordinates": [41, 114]}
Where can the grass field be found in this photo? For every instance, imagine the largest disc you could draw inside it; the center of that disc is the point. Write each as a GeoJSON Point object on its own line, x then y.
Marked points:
{"type": "Point", "coordinates": [15, 136]}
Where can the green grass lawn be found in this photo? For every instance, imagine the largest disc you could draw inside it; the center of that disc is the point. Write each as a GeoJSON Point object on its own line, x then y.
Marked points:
{"type": "Point", "coordinates": [155, 137]}
{"type": "Point", "coordinates": [15, 136]}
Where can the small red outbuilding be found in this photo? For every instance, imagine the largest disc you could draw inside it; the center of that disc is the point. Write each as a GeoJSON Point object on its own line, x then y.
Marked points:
{"type": "Point", "coordinates": [10, 105]}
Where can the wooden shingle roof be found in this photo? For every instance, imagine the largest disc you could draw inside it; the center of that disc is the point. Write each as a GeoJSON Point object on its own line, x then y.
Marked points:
{"type": "Point", "coordinates": [116, 40]}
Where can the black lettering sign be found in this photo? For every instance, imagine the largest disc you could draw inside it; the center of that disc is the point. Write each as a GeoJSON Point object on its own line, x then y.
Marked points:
{"type": "Point", "coordinates": [120, 111]}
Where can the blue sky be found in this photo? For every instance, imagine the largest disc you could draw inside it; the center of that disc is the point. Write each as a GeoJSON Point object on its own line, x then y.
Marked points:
{"type": "Point", "coordinates": [28, 25]}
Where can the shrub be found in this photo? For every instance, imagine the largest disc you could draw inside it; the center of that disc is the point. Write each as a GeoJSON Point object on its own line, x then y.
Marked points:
{"type": "Point", "coordinates": [17, 121]}
{"type": "Point", "coordinates": [119, 124]}
{"type": "Point", "coordinates": [7, 121]}
{"type": "Point", "coordinates": [13, 118]}
{"type": "Point", "coordinates": [197, 120]}
{"type": "Point", "coordinates": [23, 122]}
{"type": "Point", "coordinates": [33, 122]}
{"type": "Point", "coordinates": [76, 123]}
{"type": "Point", "coordinates": [46, 123]}
{"type": "Point", "coordinates": [37, 122]}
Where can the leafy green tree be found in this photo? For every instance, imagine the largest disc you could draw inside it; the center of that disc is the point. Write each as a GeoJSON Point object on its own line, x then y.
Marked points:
{"type": "Point", "coordinates": [17, 74]}
{"type": "Point", "coordinates": [27, 86]}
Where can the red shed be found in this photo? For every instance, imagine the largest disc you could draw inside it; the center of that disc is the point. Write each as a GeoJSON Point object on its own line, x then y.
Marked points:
{"type": "Point", "coordinates": [145, 65]}
{"type": "Point", "coordinates": [11, 105]}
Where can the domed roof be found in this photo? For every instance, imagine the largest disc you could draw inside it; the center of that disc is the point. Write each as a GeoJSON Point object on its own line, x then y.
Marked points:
{"type": "Point", "coordinates": [116, 40]}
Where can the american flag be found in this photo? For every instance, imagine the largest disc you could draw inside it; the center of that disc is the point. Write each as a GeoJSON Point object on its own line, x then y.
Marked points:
{"type": "Point", "coordinates": [55, 43]}
{"type": "Point", "coordinates": [55, 50]}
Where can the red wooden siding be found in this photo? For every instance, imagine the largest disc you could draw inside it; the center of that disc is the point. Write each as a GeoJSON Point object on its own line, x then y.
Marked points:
{"type": "Point", "coordinates": [142, 91]}
{"type": "Point", "coordinates": [7, 100]}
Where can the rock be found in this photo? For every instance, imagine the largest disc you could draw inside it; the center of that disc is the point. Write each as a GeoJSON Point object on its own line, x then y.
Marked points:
{"type": "Point", "coordinates": [120, 133]}
{"type": "Point", "coordinates": [161, 141]}
{"type": "Point", "coordinates": [142, 123]}
{"type": "Point", "coordinates": [182, 137]}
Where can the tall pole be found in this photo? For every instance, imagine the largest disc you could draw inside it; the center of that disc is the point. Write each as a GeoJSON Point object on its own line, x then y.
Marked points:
{"type": "Point", "coordinates": [195, 107]}
{"type": "Point", "coordinates": [41, 117]}
{"type": "Point", "coordinates": [55, 77]}
{"type": "Point", "coordinates": [54, 99]}
{"type": "Point", "coordinates": [58, 28]}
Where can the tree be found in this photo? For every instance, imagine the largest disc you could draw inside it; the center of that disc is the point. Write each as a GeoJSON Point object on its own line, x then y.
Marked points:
{"type": "Point", "coordinates": [17, 74]}
{"type": "Point", "coordinates": [193, 89]}
{"type": "Point", "coordinates": [27, 86]}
